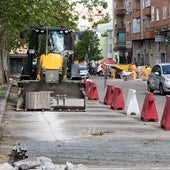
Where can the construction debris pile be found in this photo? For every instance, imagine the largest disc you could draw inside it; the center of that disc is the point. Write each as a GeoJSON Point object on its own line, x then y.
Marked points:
{"type": "Point", "coordinates": [39, 163]}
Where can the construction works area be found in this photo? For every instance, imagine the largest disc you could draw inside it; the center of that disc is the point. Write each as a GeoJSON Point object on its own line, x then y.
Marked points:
{"type": "Point", "coordinates": [100, 138]}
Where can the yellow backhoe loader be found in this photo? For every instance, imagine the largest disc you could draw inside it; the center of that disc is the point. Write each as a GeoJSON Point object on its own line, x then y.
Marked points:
{"type": "Point", "coordinates": [48, 80]}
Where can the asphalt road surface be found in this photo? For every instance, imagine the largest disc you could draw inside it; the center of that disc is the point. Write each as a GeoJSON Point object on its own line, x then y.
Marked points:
{"type": "Point", "coordinates": [100, 138]}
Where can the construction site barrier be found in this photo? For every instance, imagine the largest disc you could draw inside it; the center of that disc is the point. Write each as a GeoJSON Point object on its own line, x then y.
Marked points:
{"type": "Point", "coordinates": [93, 92]}
{"type": "Point", "coordinates": [131, 106]}
{"type": "Point", "coordinates": [118, 99]}
{"type": "Point", "coordinates": [149, 111]}
{"type": "Point", "coordinates": [165, 120]}
{"type": "Point", "coordinates": [87, 90]}
{"type": "Point", "coordinates": [109, 94]}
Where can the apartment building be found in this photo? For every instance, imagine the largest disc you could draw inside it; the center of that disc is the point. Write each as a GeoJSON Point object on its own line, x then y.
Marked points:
{"type": "Point", "coordinates": [147, 27]}
{"type": "Point", "coordinates": [120, 50]}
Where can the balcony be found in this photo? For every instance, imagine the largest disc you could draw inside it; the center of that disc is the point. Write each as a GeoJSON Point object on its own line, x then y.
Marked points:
{"type": "Point", "coordinates": [136, 13]}
{"type": "Point", "coordinates": [149, 34]}
{"type": "Point", "coordinates": [163, 24]}
{"type": "Point", "coordinates": [120, 29]}
{"type": "Point", "coordinates": [121, 45]}
{"type": "Point", "coordinates": [136, 36]}
{"type": "Point", "coordinates": [120, 11]}
{"type": "Point", "coordinates": [147, 11]}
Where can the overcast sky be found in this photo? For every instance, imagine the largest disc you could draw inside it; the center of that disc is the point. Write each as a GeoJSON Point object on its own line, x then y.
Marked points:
{"type": "Point", "coordinates": [109, 2]}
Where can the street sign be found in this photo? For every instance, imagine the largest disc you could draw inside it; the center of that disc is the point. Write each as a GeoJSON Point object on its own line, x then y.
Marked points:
{"type": "Point", "coordinates": [159, 38]}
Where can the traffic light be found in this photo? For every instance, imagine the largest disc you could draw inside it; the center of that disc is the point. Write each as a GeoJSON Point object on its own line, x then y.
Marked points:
{"type": "Point", "coordinates": [167, 41]}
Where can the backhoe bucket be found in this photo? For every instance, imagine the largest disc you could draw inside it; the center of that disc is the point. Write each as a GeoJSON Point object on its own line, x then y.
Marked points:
{"type": "Point", "coordinates": [35, 95]}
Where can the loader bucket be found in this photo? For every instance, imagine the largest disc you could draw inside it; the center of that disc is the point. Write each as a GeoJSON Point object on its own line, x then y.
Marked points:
{"type": "Point", "coordinates": [66, 95]}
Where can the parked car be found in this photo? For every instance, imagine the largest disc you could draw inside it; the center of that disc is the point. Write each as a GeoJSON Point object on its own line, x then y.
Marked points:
{"type": "Point", "coordinates": [159, 78]}
{"type": "Point", "coordinates": [84, 73]}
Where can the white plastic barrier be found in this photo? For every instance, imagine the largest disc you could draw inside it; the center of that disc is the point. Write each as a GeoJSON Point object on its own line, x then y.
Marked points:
{"type": "Point", "coordinates": [131, 106]}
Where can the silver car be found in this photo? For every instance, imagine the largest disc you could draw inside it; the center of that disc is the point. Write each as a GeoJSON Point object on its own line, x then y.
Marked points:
{"type": "Point", "coordinates": [159, 78]}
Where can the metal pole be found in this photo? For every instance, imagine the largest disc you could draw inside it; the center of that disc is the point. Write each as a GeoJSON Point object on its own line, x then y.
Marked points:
{"type": "Point", "coordinates": [105, 76]}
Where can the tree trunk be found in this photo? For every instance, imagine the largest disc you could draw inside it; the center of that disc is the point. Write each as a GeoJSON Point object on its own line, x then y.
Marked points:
{"type": "Point", "coordinates": [3, 58]}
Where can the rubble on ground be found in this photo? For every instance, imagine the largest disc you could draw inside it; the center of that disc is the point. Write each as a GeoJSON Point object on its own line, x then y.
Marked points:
{"type": "Point", "coordinates": [40, 163]}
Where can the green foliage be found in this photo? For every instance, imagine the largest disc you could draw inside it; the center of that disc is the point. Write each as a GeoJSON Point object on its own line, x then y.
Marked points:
{"type": "Point", "coordinates": [89, 4]}
{"type": "Point", "coordinates": [21, 14]}
{"type": "Point", "coordinates": [105, 19]}
{"type": "Point", "coordinates": [88, 46]}
{"type": "Point", "coordinates": [93, 5]}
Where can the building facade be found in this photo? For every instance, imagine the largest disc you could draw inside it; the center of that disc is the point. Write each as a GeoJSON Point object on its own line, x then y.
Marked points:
{"type": "Point", "coordinates": [147, 28]}
{"type": "Point", "coordinates": [120, 49]}
{"type": "Point", "coordinates": [105, 34]}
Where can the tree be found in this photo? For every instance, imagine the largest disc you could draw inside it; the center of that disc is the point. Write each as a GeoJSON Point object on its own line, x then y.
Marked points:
{"type": "Point", "coordinates": [2, 51]}
{"type": "Point", "coordinates": [88, 46]}
{"type": "Point", "coordinates": [21, 14]}
{"type": "Point", "coordinates": [105, 19]}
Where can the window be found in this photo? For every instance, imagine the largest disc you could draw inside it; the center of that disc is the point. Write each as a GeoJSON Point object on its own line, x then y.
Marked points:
{"type": "Point", "coordinates": [122, 39]}
{"type": "Point", "coordinates": [128, 7]}
{"type": "Point", "coordinates": [164, 10]}
{"type": "Point", "coordinates": [136, 25]}
{"type": "Point", "coordinates": [56, 42]}
{"type": "Point", "coordinates": [146, 3]}
{"type": "Point", "coordinates": [146, 23]}
{"type": "Point", "coordinates": [166, 69]}
{"type": "Point", "coordinates": [152, 13]}
{"type": "Point", "coordinates": [110, 48]}
{"type": "Point", "coordinates": [110, 34]}
{"type": "Point", "coordinates": [157, 14]}
{"type": "Point", "coordinates": [156, 68]}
